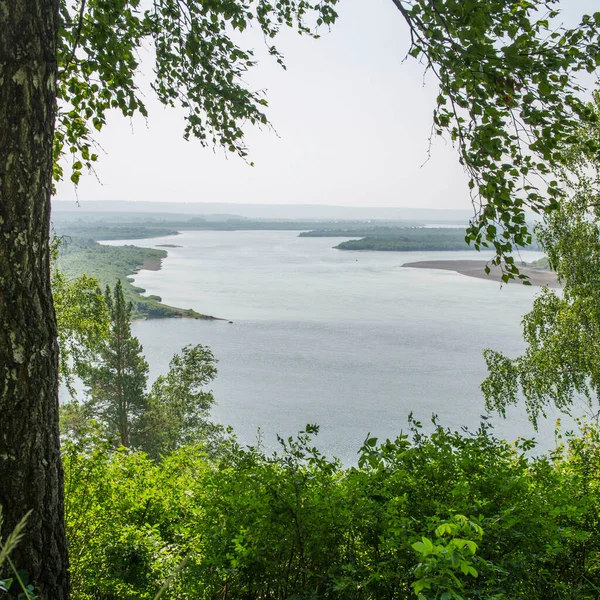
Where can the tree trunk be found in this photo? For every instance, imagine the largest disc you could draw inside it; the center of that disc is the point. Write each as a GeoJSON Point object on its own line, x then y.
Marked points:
{"type": "Point", "coordinates": [31, 477]}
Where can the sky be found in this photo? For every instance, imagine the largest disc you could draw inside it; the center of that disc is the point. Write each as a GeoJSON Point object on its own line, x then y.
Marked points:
{"type": "Point", "coordinates": [352, 123]}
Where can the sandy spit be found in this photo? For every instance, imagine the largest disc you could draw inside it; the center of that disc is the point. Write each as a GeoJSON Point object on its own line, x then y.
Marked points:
{"type": "Point", "coordinates": [475, 268]}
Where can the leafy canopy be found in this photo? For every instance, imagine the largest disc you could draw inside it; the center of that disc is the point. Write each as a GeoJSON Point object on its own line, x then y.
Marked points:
{"type": "Point", "coordinates": [509, 99]}
{"type": "Point", "coordinates": [179, 406]}
{"type": "Point", "coordinates": [561, 364]}
{"type": "Point", "coordinates": [117, 406]}
{"type": "Point", "coordinates": [199, 65]}
{"type": "Point", "coordinates": [82, 318]}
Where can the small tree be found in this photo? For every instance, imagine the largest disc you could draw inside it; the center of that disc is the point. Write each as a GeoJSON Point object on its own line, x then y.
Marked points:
{"type": "Point", "coordinates": [82, 318]}
{"type": "Point", "coordinates": [173, 414]}
{"type": "Point", "coordinates": [179, 405]}
{"type": "Point", "coordinates": [117, 381]}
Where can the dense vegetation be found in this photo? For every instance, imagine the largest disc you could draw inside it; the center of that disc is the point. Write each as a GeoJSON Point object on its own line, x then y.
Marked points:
{"type": "Point", "coordinates": [129, 226]}
{"type": "Point", "coordinates": [109, 264]}
{"type": "Point", "coordinates": [560, 364]}
{"type": "Point", "coordinates": [117, 403]}
{"type": "Point", "coordinates": [411, 239]}
{"type": "Point", "coordinates": [445, 515]}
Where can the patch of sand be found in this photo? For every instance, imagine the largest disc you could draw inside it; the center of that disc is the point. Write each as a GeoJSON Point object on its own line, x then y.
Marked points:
{"type": "Point", "coordinates": [476, 268]}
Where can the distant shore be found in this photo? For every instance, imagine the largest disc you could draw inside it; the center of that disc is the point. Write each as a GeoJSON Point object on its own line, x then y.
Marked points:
{"type": "Point", "coordinates": [476, 268]}
{"type": "Point", "coordinates": [155, 264]}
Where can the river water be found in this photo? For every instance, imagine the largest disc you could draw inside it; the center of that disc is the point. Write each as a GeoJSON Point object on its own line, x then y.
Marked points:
{"type": "Point", "coordinates": [351, 341]}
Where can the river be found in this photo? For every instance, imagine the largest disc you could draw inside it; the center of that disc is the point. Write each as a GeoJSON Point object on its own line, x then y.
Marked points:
{"type": "Point", "coordinates": [351, 341]}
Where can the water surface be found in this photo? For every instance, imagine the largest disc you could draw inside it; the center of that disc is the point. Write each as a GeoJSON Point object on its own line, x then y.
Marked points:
{"type": "Point", "coordinates": [349, 340]}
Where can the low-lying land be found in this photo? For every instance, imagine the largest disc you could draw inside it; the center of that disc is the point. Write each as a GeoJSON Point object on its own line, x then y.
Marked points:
{"type": "Point", "coordinates": [420, 242]}
{"type": "Point", "coordinates": [129, 226]}
{"type": "Point", "coordinates": [110, 263]}
{"type": "Point", "coordinates": [476, 268]}
{"type": "Point", "coordinates": [379, 231]}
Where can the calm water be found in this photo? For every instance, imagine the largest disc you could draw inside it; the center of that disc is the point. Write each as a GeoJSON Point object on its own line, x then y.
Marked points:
{"type": "Point", "coordinates": [349, 340]}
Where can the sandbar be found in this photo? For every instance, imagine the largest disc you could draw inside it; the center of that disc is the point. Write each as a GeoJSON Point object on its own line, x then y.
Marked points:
{"type": "Point", "coordinates": [476, 268]}
{"type": "Point", "coordinates": [150, 264]}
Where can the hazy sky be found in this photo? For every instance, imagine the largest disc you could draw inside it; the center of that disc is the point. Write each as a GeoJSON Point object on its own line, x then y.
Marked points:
{"type": "Point", "coordinates": [352, 121]}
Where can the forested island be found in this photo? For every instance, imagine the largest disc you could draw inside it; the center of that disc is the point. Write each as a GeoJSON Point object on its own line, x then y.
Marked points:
{"type": "Point", "coordinates": [419, 240]}
{"type": "Point", "coordinates": [399, 238]}
{"type": "Point", "coordinates": [413, 239]}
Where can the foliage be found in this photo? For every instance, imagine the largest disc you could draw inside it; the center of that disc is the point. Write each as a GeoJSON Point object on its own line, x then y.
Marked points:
{"type": "Point", "coordinates": [199, 65]}
{"type": "Point", "coordinates": [509, 99]}
{"type": "Point", "coordinates": [298, 525]}
{"type": "Point", "coordinates": [116, 381]}
{"type": "Point", "coordinates": [118, 408]}
{"type": "Point", "coordinates": [81, 316]}
{"type": "Point", "coordinates": [560, 365]}
{"type": "Point", "coordinates": [179, 405]}
{"type": "Point", "coordinates": [26, 591]}
{"type": "Point", "coordinates": [443, 561]}
{"type": "Point", "coordinates": [120, 538]}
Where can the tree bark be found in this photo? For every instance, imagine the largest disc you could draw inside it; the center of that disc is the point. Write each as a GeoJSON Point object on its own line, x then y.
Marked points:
{"type": "Point", "coordinates": [31, 477]}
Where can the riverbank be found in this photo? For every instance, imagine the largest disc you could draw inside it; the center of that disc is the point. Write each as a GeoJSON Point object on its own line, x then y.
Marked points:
{"type": "Point", "coordinates": [476, 268]}
{"type": "Point", "coordinates": [110, 263]}
{"type": "Point", "coordinates": [152, 307]}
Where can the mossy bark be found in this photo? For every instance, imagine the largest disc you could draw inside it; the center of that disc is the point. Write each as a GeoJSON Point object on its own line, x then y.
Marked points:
{"type": "Point", "coordinates": [31, 477]}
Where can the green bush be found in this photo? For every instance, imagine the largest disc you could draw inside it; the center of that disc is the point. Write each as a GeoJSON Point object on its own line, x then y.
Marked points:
{"type": "Point", "coordinates": [445, 513]}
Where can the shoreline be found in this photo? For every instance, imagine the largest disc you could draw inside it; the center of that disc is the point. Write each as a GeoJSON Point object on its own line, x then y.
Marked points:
{"type": "Point", "coordinates": [155, 264]}
{"type": "Point", "coordinates": [150, 264]}
{"type": "Point", "coordinates": [475, 268]}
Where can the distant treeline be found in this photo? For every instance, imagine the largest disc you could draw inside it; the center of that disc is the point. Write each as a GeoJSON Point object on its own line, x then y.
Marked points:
{"type": "Point", "coordinates": [113, 231]}
{"type": "Point", "coordinates": [115, 228]}
{"type": "Point", "coordinates": [542, 264]}
{"type": "Point", "coordinates": [373, 231]}
{"type": "Point", "coordinates": [111, 263]}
